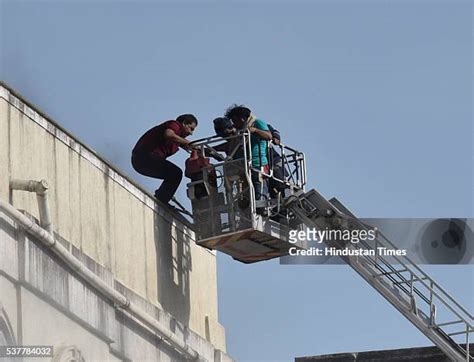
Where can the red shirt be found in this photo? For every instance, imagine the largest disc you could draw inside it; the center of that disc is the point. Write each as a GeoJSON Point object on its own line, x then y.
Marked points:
{"type": "Point", "coordinates": [153, 141]}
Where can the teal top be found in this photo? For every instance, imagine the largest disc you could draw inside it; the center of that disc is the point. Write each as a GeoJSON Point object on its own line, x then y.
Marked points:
{"type": "Point", "coordinates": [258, 145]}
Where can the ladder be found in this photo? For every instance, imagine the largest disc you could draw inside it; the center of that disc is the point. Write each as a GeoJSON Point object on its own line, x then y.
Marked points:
{"type": "Point", "coordinates": [405, 285]}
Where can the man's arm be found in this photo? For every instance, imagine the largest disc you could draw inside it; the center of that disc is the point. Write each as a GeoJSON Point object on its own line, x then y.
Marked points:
{"type": "Point", "coordinates": [221, 147]}
{"type": "Point", "coordinates": [169, 135]}
{"type": "Point", "coordinates": [213, 151]}
{"type": "Point", "coordinates": [266, 135]}
{"type": "Point", "coordinates": [261, 129]}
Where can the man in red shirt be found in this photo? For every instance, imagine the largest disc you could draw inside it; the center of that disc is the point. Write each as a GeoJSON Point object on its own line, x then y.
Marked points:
{"type": "Point", "coordinates": [149, 156]}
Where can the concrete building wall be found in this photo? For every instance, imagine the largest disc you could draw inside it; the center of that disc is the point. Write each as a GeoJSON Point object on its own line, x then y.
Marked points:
{"type": "Point", "coordinates": [44, 303]}
{"type": "Point", "coordinates": [107, 218]}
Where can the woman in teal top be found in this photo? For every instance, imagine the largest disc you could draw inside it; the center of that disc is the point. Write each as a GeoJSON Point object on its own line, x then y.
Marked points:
{"type": "Point", "coordinates": [243, 119]}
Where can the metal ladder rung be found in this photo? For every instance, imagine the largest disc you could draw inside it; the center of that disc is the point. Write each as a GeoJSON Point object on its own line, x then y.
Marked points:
{"type": "Point", "coordinates": [463, 332]}
{"type": "Point", "coordinates": [411, 280]}
{"type": "Point", "coordinates": [388, 273]}
{"type": "Point", "coordinates": [449, 323]}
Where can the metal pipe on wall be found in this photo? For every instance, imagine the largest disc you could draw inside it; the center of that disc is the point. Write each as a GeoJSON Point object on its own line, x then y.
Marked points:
{"type": "Point", "coordinates": [41, 190]}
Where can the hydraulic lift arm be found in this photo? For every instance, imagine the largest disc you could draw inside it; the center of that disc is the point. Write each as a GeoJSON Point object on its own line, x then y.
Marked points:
{"type": "Point", "coordinates": [408, 288]}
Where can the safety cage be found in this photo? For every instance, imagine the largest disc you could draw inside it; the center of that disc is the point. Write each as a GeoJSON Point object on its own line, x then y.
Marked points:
{"type": "Point", "coordinates": [226, 215]}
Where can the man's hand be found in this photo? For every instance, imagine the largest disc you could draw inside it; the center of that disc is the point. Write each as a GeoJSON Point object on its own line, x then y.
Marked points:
{"type": "Point", "coordinates": [189, 146]}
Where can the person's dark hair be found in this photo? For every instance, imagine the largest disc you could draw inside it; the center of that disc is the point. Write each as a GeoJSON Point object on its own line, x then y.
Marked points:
{"type": "Point", "coordinates": [275, 132]}
{"type": "Point", "coordinates": [238, 111]}
{"type": "Point", "coordinates": [221, 124]}
{"type": "Point", "coordinates": [187, 119]}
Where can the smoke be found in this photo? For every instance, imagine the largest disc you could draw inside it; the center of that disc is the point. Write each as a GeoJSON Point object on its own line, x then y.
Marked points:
{"type": "Point", "coordinates": [117, 154]}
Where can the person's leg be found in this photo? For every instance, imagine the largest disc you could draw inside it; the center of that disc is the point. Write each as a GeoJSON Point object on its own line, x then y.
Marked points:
{"type": "Point", "coordinates": [276, 186]}
{"type": "Point", "coordinates": [273, 187]}
{"type": "Point", "coordinates": [257, 184]}
{"type": "Point", "coordinates": [160, 169]}
{"type": "Point", "coordinates": [149, 166]}
{"type": "Point", "coordinates": [172, 176]}
{"type": "Point", "coordinates": [261, 192]}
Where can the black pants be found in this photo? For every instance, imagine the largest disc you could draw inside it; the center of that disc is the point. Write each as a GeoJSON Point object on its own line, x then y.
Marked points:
{"type": "Point", "coordinates": [162, 169]}
{"type": "Point", "coordinates": [275, 186]}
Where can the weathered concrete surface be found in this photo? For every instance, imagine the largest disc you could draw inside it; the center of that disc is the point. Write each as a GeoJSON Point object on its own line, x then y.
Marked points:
{"type": "Point", "coordinates": [45, 303]}
{"type": "Point", "coordinates": [422, 354]}
{"type": "Point", "coordinates": [107, 218]}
